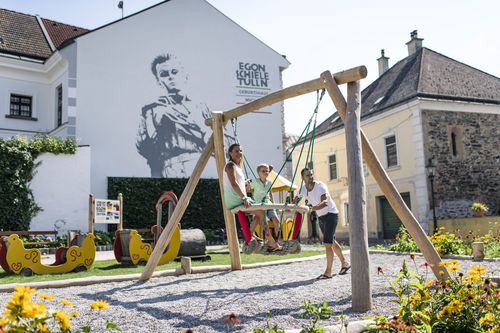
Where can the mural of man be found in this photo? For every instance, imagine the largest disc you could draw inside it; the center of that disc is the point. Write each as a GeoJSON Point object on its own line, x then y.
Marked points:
{"type": "Point", "coordinates": [171, 131]}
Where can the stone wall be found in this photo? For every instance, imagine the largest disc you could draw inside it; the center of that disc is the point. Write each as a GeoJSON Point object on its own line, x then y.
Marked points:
{"type": "Point", "coordinates": [469, 171]}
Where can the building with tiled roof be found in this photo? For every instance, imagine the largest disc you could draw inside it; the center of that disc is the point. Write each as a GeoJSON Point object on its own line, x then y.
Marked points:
{"type": "Point", "coordinates": [425, 107]}
{"type": "Point", "coordinates": [32, 37]}
{"type": "Point", "coordinates": [110, 89]}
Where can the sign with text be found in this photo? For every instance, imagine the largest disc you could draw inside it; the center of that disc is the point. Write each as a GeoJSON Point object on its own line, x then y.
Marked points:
{"type": "Point", "coordinates": [107, 211]}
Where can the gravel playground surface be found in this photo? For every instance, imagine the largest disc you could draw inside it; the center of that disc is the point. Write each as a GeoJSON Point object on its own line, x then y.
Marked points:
{"type": "Point", "coordinates": [200, 301]}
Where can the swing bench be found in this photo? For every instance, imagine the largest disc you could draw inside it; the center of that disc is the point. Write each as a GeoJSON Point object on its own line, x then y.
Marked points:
{"type": "Point", "coordinates": [291, 243]}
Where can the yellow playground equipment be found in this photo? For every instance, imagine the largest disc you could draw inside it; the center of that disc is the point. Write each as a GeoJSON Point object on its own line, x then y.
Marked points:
{"type": "Point", "coordinates": [29, 261]}
{"type": "Point", "coordinates": [130, 248]}
{"type": "Point", "coordinates": [78, 256]}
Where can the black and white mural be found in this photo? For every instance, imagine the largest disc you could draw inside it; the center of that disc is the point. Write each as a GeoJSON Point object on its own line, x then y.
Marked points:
{"type": "Point", "coordinates": [172, 132]}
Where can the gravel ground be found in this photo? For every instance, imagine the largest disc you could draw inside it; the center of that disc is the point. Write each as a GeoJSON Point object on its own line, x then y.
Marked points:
{"type": "Point", "coordinates": [200, 301]}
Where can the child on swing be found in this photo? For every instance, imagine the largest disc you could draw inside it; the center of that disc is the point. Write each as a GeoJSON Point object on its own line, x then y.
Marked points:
{"type": "Point", "coordinates": [261, 188]}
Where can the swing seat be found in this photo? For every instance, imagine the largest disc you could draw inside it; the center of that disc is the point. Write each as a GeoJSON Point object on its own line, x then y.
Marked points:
{"type": "Point", "coordinates": [251, 245]}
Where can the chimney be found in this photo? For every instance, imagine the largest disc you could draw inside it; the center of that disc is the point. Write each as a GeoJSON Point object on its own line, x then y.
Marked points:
{"type": "Point", "coordinates": [383, 63]}
{"type": "Point", "coordinates": [415, 43]}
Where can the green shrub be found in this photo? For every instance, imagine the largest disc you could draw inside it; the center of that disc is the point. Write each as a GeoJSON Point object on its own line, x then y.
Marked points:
{"type": "Point", "coordinates": [449, 243]}
{"type": "Point", "coordinates": [141, 194]}
{"type": "Point", "coordinates": [404, 242]}
{"type": "Point", "coordinates": [103, 238]}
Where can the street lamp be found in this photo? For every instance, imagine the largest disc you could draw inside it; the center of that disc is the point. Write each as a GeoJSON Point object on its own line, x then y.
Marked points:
{"type": "Point", "coordinates": [430, 174]}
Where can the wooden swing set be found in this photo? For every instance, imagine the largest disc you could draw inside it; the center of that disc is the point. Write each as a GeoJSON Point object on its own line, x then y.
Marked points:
{"type": "Point", "coordinates": [358, 148]}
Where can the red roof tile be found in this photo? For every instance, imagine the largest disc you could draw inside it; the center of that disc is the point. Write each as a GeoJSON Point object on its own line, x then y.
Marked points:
{"type": "Point", "coordinates": [60, 32]}
{"type": "Point", "coordinates": [21, 35]}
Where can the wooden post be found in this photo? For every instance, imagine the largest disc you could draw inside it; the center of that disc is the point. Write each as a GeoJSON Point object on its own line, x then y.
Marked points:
{"type": "Point", "coordinates": [386, 185]}
{"type": "Point", "coordinates": [232, 235]}
{"type": "Point", "coordinates": [353, 74]}
{"type": "Point", "coordinates": [186, 265]}
{"type": "Point", "coordinates": [120, 200]}
{"type": "Point", "coordinates": [91, 214]}
{"type": "Point", "coordinates": [358, 229]}
{"type": "Point", "coordinates": [173, 222]}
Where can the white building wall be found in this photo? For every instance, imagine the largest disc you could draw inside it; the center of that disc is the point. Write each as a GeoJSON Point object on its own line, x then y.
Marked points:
{"type": "Point", "coordinates": [115, 82]}
{"type": "Point", "coordinates": [61, 187]}
{"type": "Point", "coordinates": [30, 79]}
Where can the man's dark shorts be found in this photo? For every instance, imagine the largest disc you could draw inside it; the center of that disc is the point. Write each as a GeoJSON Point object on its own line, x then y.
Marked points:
{"type": "Point", "coordinates": [328, 224]}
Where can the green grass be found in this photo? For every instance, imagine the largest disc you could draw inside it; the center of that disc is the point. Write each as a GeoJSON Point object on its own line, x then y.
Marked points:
{"type": "Point", "coordinates": [112, 267]}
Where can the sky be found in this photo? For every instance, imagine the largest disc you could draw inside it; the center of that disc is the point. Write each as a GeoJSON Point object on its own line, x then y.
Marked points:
{"type": "Point", "coordinates": [319, 35]}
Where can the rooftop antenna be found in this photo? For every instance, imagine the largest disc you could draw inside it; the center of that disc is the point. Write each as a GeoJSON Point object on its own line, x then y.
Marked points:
{"type": "Point", "coordinates": [120, 5]}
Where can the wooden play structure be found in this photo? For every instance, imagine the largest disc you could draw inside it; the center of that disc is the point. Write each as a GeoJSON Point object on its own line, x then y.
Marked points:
{"type": "Point", "coordinates": [130, 248]}
{"type": "Point", "coordinates": [358, 148]}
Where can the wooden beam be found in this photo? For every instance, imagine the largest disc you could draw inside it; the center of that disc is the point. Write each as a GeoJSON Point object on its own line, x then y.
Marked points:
{"type": "Point", "coordinates": [220, 161]}
{"type": "Point", "coordinates": [181, 206]}
{"type": "Point", "coordinates": [91, 214]}
{"type": "Point", "coordinates": [391, 193]}
{"type": "Point", "coordinates": [358, 228]}
{"type": "Point", "coordinates": [353, 74]}
{"type": "Point", "coordinates": [253, 208]}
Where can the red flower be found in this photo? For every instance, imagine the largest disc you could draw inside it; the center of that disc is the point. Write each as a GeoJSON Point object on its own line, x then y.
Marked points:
{"type": "Point", "coordinates": [232, 319]}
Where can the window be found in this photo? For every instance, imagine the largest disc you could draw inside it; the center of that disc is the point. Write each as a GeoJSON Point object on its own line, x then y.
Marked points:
{"type": "Point", "coordinates": [455, 134]}
{"type": "Point", "coordinates": [332, 164]}
{"type": "Point", "coordinates": [391, 151]}
{"type": "Point", "coordinates": [59, 98]}
{"type": "Point", "coordinates": [346, 213]}
{"type": "Point", "coordinates": [21, 106]}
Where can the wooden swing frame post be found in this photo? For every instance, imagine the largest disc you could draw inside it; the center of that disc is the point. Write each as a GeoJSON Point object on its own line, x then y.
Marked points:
{"type": "Point", "coordinates": [358, 226]}
{"type": "Point", "coordinates": [386, 185]}
{"type": "Point", "coordinates": [220, 161]}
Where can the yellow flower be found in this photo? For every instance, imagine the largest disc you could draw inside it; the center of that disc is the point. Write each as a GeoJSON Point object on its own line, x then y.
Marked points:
{"type": "Point", "coordinates": [34, 310]}
{"type": "Point", "coordinates": [454, 267]}
{"type": "Point", "coordinates": [487, 318]}
{"type": "Point", "coordinates": [3, 321]}
{"type": "Point", "coordinates": [46, 296]}
{"type": "Point", "coordinates": [63, 319]}
{"type": "Point", "coordinates": [74, 314]}
{"type": "Point", "coordinates": [24, 290]}
{"type": "Point", "coordinates": [66, 302]}
{"type": "Point", "coordinates": [42, 328]}
{"type": "Point", "coordinates": [444, 264]}
{"type": "Point", "coordinates": [99, 305]}
{"type": "Point", "coordinates": [477, 270]}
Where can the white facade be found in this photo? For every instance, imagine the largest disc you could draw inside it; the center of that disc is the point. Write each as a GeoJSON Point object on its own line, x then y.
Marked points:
{"type": "Point", "coordinates": [38, 80]}
{"type": "Point", "coordinates": [115, 81]}
{"type": "Point", "coordinates": [61, 187]}
{"type": "Point", "coordinates": [108, 82]}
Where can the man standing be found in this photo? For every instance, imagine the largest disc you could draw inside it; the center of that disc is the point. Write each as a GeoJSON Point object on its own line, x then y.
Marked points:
{"type": "Point", "coordinates": [316, 194]}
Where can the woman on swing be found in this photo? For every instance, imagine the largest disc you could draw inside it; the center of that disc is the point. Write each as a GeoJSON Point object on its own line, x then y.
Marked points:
{"type": "Point", "coordinates": [235, 191]}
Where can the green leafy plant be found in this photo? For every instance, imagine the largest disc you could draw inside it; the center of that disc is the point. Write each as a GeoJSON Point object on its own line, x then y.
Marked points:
{"type": "Point", "coordinates": [404, 242]}
{"type": "Point", "coordinates": [17, 168]}
{"type": "Point", "coordinates": [463, 303]}
{"type": "Point", "coordinates": [103, 238]}
{"type": "Point", "coordinates": [270, 328]}
{"type": "Point", "coordinates": [315, 313]}
{"type": "Point", "coordinates": [448, 243]}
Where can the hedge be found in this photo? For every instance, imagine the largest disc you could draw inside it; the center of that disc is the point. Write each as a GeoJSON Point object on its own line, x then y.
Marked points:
{"type": "Point", "coordinates": [141, 194]}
